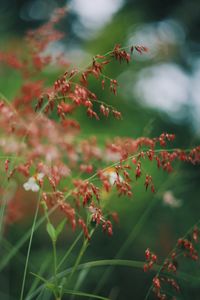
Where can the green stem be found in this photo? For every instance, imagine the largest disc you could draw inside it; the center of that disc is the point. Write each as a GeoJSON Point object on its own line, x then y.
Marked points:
{"type": "Point", "coordinates": [69, 251]}
{"type": "Point", "coordinates": [29, 249]}
{"type": "Point", "coordinates": [82, 251]}
{"type": "Point", "coordinates": [57, 291]}
{"type": "Point", "coordinates": [55, 262]}
{"type": "Point", "coordinates": [83, 248]}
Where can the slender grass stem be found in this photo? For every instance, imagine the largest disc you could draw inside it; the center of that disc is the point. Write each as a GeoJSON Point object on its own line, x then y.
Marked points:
{"type": "Point", "coordinates": [79, 257]}
{"type": "Point", "coordinates": [55, 260]}
{"type": "Point", "coordinates": [29, 248]}
{"type": "Point", "coordinates": [55, 270]}
{"type": "Point", "coordinates": [69, 251]}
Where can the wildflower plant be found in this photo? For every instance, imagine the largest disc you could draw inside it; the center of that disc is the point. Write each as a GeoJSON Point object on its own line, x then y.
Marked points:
{"type": "Point", "coordinates": [42, 150]}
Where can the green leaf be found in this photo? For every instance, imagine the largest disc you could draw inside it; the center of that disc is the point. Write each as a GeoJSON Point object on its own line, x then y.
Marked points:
{"type": "Point", "coordinates": [60, 227]}
{"type": "Point", "coordinates": [50, 286]}
{"type": "Point", "coordinates": [82, 294]}
{"type": "Point", "coordinates": [39, 277]}
{"type": "Point", "coordinates": [51, 231]}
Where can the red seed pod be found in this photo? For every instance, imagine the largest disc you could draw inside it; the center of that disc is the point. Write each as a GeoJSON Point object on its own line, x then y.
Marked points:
{"type": "Point", "coordinates": [72, 73]}
{"type": "Point", "coordinates": [180, 242]}
{"type": "Point", "coordinates": [134, 160]}
{"type": "Point", "coordinates": [129, 194]}
{"type": "Point", "coordinates": [84, 227]}
{"type": "Point", "coordinates": [110, 231]}
{"type": "Point", "coordinates": [138, 170]}
{"type": "Point", "coordinates": [148, 180]}
{"type": "Point", "coordinates": [90, 112]}
{"type": "Point", "coordinates": [128, 57]}
{"type": "Point", "coordinates": [7, 162]}
{"type": "Point", "coordinates": [154, 257]}
{"type": "Point", "coordinates": [152, 188]}
{"type": "Point", "coordinates": [102, 109]}
{"type": "Point", "coordinates": [86, 168]}
{"type": "Point", "coordinates": [150, 264]}
{"type": "Point", "coordinates": [114, 81]}
{"type": "Point", "coordinates": [115, 217]}
{"type": "Point", "coordinates": [173, 255]}
{"type": "Point", "coordinates": [150, 154]}
{"type": "Point", "coordinates": [195, 234]}
{"type": "Point", "coordinates": [172, 267]}
{"type": "Point", "coordinates": [194, 256]}
{"type": "Point", "coordinates": [87, 198]}
{"type": "Point", "coordinates": [147, 254]}
{"type": "Point", "coordinates": [145, 267]}
{"type": "Point", "coordinates": [103, 84]}
{"type": "Point", "coordinates": [174, 284]}
{"type": "Point", "coordinates": [156, 283]}
{"type": "Point", "coordinates": [52, 183]}
{"type": "Point", "coordinates": [107, 111]}
{"type": "Point", "coordinates": [132, 48]}
{"type": "Point", "coordinates": [170, 137]}
{"type": "Point", "coordinates": [57, 84]}
{"type": "Point", "coordinates": [84, 77]}
{"type": "Point", "coordinates": [88, 103]}
{"type": "Point", "coordinates": [117, 114]}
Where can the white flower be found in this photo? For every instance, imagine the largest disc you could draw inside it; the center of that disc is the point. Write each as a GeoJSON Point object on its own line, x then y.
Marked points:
{"type": "Point", "coordinates": [39, 176]}
{"type": "Point", "coordinates": [31, 184]}
{"type": "Point", "coordinates": [170, 200]}
{"type": "Point", "coordinates": [113, 176]}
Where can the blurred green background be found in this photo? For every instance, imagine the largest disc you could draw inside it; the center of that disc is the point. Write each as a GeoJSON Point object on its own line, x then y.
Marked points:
{"type": "Point", "coordinates": [159, 92]}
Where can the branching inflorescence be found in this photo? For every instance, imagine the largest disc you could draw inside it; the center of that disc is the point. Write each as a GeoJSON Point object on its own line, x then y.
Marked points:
{"type": "Point", "coordinates": [167, 278]}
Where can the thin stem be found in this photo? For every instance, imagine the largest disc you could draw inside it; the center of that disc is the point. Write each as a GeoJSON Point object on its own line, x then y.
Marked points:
{"type": "Point", "coordinates": [83, 248]}
{"type": "Point", "coordinates": [56, 290]}
{"type": "Point", "coordinates": [82, 251]}
{"type": "Point", "coordinates": [83, 294]}
{"type": "Point", "coordinates": [55, 262]}
{"type": "Point", "coordinates": [29, 248]}
{"type": "Point", "coordinates": [69, 251]}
